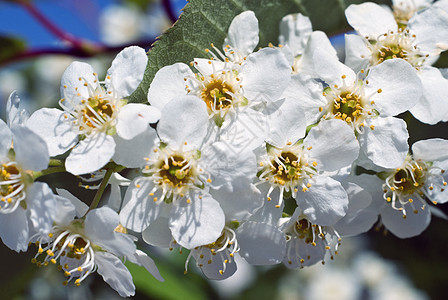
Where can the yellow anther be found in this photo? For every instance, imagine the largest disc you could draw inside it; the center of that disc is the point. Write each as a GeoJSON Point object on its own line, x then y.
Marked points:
{"type": "Point", "coordinates": [188, 201]}
{"type": "Point", "coordinates": [53, 261]}
{"type": "Point", "coordinates": [372, 127]}
{"type": "Point", "coordinates": [379, 90]}
{"type": "Point", "coordinates": [79, 269]}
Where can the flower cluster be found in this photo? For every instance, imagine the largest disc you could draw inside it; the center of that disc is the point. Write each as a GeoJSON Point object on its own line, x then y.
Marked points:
{"type": "Point", "coordinates": [274, 154]}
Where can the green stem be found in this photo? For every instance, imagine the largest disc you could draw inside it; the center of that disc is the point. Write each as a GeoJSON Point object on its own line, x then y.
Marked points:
{"type": "Point", "coordinates": [102, 187]}
{"type": "Point", "coordinates": [48, 171]}
{"type": "Point", "coordinates": [55, 162]}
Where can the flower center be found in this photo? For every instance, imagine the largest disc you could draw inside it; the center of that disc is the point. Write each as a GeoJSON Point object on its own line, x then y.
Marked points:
{"type": "Point", "coordinates": [223, 250]}
{"type": "Point", "coordinates": [221, 89]}
{"type": "Point", "coordinates": [349, 103]}
{"type": "Point", "coordinates": [311, 234]}
{"type": "Point", "coordinates": [217, 95]}
{"type": "Point", "coordinates": [174, 174]}
{"type": "Point", "coordinates": [304, 231]}
{"type": "Point", "coordinates": [410, 182]}
{"type": "Point", "coordinates": [175, 171]}
{"type": "Point", "coordinates": [348, 107]}
{"type": "Point", "coordinates": [12, 187]}
{"type": "Point", "coordinates": [398, 44]}
{"type": "Point", "coordinates": [75, 253]}
{"type": "Point", "coordinates": [287, 168]}
{"type": "Point", "coordinates": [95, 113]}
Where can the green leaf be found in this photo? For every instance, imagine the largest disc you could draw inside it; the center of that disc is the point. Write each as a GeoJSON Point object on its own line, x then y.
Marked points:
{"type": "Point", "coordinates": [9, 46]}
{"type": "Point", "coordinates": [204, 22]}
{"type": "Point", "coordinates": [176, 284]}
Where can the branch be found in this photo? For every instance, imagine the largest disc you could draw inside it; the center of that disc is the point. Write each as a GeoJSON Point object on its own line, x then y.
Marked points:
{"type": "Point", "coordinates": [74, 51]}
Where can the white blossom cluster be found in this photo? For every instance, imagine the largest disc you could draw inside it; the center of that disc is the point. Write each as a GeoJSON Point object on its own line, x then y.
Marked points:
{"type": "Point", "coordinates": [254, 151]}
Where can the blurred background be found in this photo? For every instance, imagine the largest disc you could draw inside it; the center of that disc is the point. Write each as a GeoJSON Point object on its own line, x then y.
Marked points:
{"type": "Point", "coordinates": [39, 39]}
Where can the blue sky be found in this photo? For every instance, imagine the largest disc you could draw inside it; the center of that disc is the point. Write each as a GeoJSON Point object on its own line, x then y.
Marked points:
{"type": "Point", "coordinates": [78, 17]}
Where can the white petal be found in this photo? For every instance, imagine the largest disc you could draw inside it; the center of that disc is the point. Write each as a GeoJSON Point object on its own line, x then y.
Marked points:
{"type": "Point", "coordinates": [131, 153]}
{"type": "Point", "coordinates": [158, 233]}
{"type": "Point", "coordinates": [100, 227]}
{"type": "Point", "coordinates": [149, 264]}
{"type": "Point", "coordinates": [243, 33]}
{"type": "Point", "coordinates": [325, 202]}
{"type": "Point", "coordinates": [266, 74]}
{"type": "Point", "coordinates": [430, 150]}
{"type": "Point", "coordinates": [394, 86]}
{"type": "Point", "coordinates": [81, 207]}
{"type": "Point", "coordinates": [52, 125]}
{"type": "Point", "coordinates": [5, 139]}
{"type": "Point", "coordinates": [358, 218]}
{"type": "Point", "coordinates": [15, 114]}
{"type": "Point", "coordinates": [90, 154]}
{"type": "Point", "coordinates": [134, 118]}
{"type": "Point", "coordinates": [333, 143]}
{"type": "Point", "coordinates": [213, 270]}
{"type": "Point", "coordinates": [423, 25]}
{"type": "Point", "coordinates": [413, 225]}
{"type": "Point", "coordinates": [14, 230]}
{"type": "Point", "coordinates": [387, 145]}
{"type": "Point", "coordinates": [226, 164]}
{"type": "Point", "coordinates": [66, 210]}
{"type": "Point", "coordinates": [370, 19]}
{"type": "Point", "coordinates": [433, 105]}
{"type": "Point", "coordinates": [114, 272]}
{"type": "Point", "coordinates": [287, 124]}
{"type": "Point", "coordinates": [295, 30]}
{"type": "Point", "coordinates": [31, 151]}
{"type": "Point", "coordinates": [168, 83]}
{"type": "Point", "coordinates": [307, 93]}
{"type": "Point", "coordinates": [139, 210]}
{"type": "Point", "coordinates": [260, 243]}
{"type": "Point", "coordinates": [317, 39]}
{"type": "Point", "coordinates": [242, 202]}
{"type": "Point", "coordinates": [330, 69]}
{"type": "Point", "coordinates": [359, 223]}
{"type": "Point", "coordinates": [196, 224]}
{"type": "Point", "coordinates": [184, 119]}
{"type": "Point", "coordinates": [126, 72]}
{"type": "Point", "coordinates": [42, 206]}
{"type": "Point", "coordinates": [71, 86]}
{"type": "Point", "coordinates": [357, 54]}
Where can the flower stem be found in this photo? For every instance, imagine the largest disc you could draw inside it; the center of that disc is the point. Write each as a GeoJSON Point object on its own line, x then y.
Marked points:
{"type": "Point", "coordinates": [52, 170]}
{"type": "Point", "coordinates": [102, 187]}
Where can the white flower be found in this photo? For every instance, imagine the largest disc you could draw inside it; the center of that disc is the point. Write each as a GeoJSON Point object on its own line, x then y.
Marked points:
{"type": "Point", "coordinates": [298, 168]}
{"type": "Point", "coordinates": [95, 242]}
{"type": "Point", "coordinates": [419, 43]}
{"type": "Point", "coordinates": [24, 205]}
{"type": "Point", "coordinates": [216, 260]}
{"type": "Point", "coordinates": [179, 173]}
{"type": "Point", "coordinates": [95, 114]}
{"type": "Point", "coordinates": [307, 243]}
{"type": "Point", "coordinates": [420, 178]}
{"type": "Point", "coordinates": [297, 39]}
{"type": "Point", "coordinates": [366, 105]}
